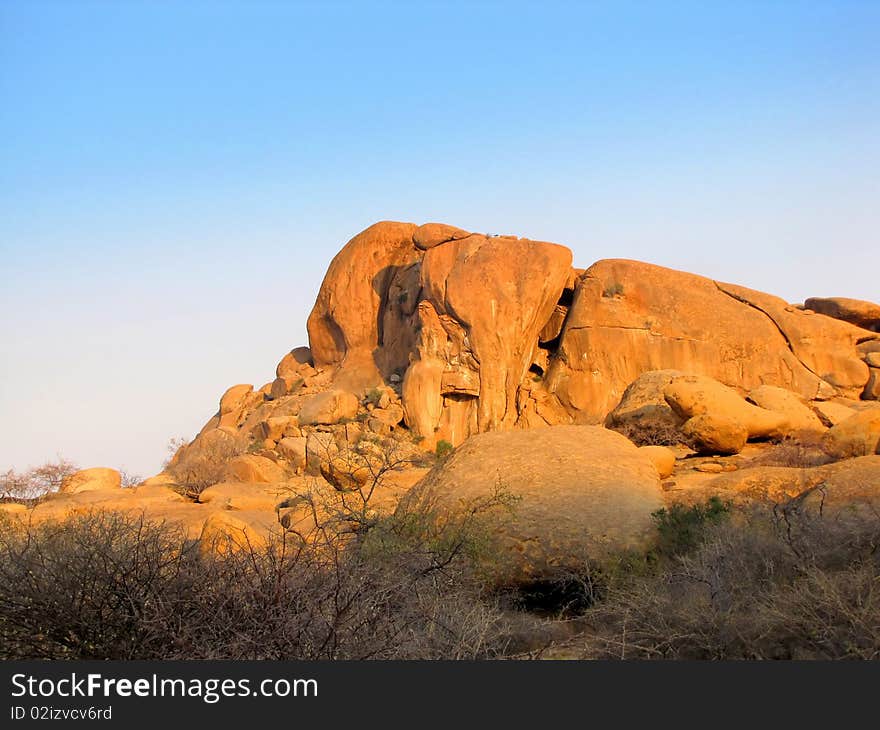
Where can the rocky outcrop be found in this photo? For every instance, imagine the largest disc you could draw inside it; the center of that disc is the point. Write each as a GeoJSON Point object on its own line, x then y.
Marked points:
{"type": "Point", "coordinates": [628, 318]}
{"type": "Point", "coordinates": [431, 334]}
{"type": "Point", "coordinates": [826, 347]}
{"type": "Point", "coordinates": [432, 338]}
{"type": "Point", "coordinates": [474, 333]}
{"type": "Point", "coordinates": [455, 316]}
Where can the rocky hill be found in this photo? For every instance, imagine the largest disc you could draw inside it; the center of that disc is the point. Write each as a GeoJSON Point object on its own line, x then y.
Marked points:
{"type": "Point", "coordinates": [594, 396]}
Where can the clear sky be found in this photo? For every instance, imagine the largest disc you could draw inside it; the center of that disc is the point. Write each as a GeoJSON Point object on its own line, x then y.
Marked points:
{"type": "Point", "coordinates": [176, 176]}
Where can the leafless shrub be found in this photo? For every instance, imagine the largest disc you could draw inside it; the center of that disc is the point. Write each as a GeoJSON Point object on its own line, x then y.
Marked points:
{"type": "Point", "coordinates": [34, 483]}
{"type": "Point", "coordinates": [176, 445]}
{"type": "Point", "coordinates": [112, 586]}
{"type": "Point", "coordinates": [85, 588]}
{"type": "Point", "coordinates": [362, 476]}
{"type": "Point", "coordinates": [801, 449]}
{"type": "Point", "coordinates": [128, 479]}
{"type": "Point", "coordinates": [651, 433]}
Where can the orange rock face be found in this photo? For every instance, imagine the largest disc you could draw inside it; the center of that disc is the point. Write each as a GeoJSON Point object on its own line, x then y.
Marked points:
{"type": "Point", "coordinates": [628, 318]}
{"type": "Point", "coordinates": [457, 316]}
{"type": "Point", "coordinates": [489, 333]}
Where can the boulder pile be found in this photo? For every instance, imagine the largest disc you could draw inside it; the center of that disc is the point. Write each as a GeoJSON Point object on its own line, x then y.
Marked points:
{"type": "Point", "coordinates": [429, 339]}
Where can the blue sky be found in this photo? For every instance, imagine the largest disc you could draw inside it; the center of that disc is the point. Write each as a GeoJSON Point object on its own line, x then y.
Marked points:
{"type": "Point", "coordinates": [176, 176]}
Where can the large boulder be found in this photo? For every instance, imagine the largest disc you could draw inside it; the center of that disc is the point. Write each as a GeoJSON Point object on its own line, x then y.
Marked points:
{"type": "Point", "coordinates": [696, 395]}
{"type": "Point", "coordinates": [90, 480]}
{"type": "Point", "coordinates": [855, 311]}
{"type": "Point", "coordinates": [799, 415]}
{"type": "Point", "coordinates": [329, 407]}
{"type": "Point", "coordinates": [713, 433]}
{"type": "Point", "coordinates": [156, 503]}
{"type": "Point", "coordinates": [858, 435]}
{"type": "Point", "coordinates": [827, 347]}
{"type": "Point", "coordinates": [460, 314]}
{"type": "Point", "coordinates": [485, 302]}
{"type": "Point", "coordinates": [355, 306]}
{"type": "Point", "coordinates": [292, 363]}
{"type": "Point", "coordinates": [254, 468]}
{"type": "Point", "coordinates": [226, 531]}
{"type": "Point", "coordinates": [429, 235]}
{"type": "Point", "coordinates": [643, 410]}
{"type": "Point", "coordinates": [581, 491]}
{"type": "Point", "coordinates": [832, 412]}
{"type": "Point", "coordinates": [246, 496]}
{"type": "Point", "coordinates": [628, 318]}
{"type": "Point", "coordinates": [233, 403]}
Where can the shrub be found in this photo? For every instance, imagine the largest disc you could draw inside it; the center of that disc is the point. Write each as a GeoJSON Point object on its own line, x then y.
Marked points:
{"type": "Point", "coordinates": [614, 289]}
{"type": "Point", "coordinates": [651, 434]}
{"type": "Point", "coordinates": [111, 586]}
{"type": "Point", "coordinates": [443, 449]}
{"type": "Point", "coordinates": [801, 449]}
{"type": "Point", "coordinates": [765, 584]}
{"type": "Point", "coordinates": [373, 396]}
{"type": "Point", "coordinates": [30, 485]}
{"type": "Point", "coordinates": [680, 529]}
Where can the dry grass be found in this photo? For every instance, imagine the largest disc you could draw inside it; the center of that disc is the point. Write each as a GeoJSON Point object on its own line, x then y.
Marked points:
{"type": "Point", "coordinates": [767, 584]}
{"type": "Point", "coordinates": [801, 449]}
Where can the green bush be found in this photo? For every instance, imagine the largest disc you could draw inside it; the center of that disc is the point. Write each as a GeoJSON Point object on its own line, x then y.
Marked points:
{"type": "Point", "coordinates": [373, 396]}
{"type": "Point", "coordinates": [613, 290]}
{"type": "Point", "coordinates": [681, 529]}
{"type": "Point", "coordinates": [443, 449]}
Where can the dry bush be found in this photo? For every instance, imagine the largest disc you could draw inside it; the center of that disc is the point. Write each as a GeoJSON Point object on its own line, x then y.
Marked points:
{"type": "Point", "coordinates": [86, 588]}
{"type": "Point", "coordinates": [111, 586]}
{"type": "Point", "coordinates": [34, 483]}
{"type": "Point", "coordinates": [801, 449]}
{"type": "Point", "coordinates": [651, 434]}
{"type": "Point", "coordinates": [203, 463]}
{"type": "Point", "coordinates": [362, 472]}
{"type": "Point", "coordinates": [780, 583]}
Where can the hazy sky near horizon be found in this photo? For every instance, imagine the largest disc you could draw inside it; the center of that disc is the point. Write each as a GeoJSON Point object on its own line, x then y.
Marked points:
{"type": "Point", "coordinates": [175, 177]}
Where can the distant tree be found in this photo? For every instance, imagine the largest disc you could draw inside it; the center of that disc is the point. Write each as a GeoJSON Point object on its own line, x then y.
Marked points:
{"type": "Point", "coordinates": [35, 482]}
